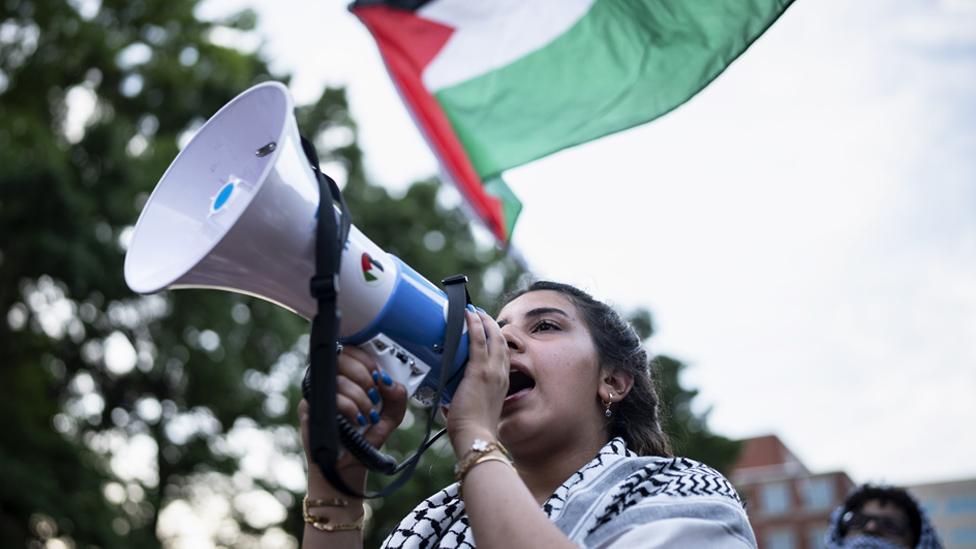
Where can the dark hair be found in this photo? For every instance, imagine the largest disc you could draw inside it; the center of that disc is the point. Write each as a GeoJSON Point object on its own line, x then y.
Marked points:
{"type": "Point", "coordinates": [884, 495]}
{"type": "Point", "coordinates": [637, 417]}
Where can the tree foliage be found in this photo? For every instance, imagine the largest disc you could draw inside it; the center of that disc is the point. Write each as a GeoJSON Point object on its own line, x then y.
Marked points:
{"type": "Point", "coordinates": [128, 416]}
{"type": "Point", "coordinates": [687, 429]}
{"type": "Point", "coordinates": [116, 402]}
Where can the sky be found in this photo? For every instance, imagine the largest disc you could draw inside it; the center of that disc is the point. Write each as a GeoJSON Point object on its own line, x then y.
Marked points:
{"type": "Point", "coordinates": [803, 230]}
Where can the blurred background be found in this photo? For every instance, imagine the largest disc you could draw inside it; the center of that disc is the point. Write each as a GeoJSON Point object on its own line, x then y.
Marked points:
{"type": "Point", "coordinates": [803, 232]}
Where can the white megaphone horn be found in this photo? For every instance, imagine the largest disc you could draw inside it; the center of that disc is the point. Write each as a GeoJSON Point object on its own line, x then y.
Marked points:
{"type": "Point", "coordinates": [236, 211]}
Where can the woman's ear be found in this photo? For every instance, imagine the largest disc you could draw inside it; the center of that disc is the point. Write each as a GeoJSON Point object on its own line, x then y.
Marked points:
{"type": "Point", "coordinates": [614, 385]}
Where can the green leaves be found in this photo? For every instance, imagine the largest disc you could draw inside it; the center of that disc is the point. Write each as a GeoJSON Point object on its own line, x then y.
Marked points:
{"type": "Point", "coordinates": [94, 103]}
{"type": "Point", "coordinates": [688, 428]}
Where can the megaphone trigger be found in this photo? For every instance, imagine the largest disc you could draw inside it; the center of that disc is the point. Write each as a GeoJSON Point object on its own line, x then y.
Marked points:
{"type": "Point", "coordinates": [402, 367]}
{"type": "Point", "coordinates": [400, 364]}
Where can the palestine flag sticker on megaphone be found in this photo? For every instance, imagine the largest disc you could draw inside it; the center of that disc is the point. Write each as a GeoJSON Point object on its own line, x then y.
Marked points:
{"type": "Point", "coordinates": [371, 268]}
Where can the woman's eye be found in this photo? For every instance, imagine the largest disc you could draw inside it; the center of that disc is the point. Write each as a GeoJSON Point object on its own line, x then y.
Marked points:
{"type": "Point", "coordinates": [545, 326]}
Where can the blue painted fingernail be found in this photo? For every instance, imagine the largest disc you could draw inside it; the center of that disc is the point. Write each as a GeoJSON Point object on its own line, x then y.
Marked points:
{"type": "Point", "coordinates": [376, 377]}
{"type": "Point", "coordinates": [387, 379]}
{"type": "Point", "coordinates": [361, 420]}
{"type": "Point", "coordinates": [374, 395]}
{"type": "Point", "coordinates": [374, 416]}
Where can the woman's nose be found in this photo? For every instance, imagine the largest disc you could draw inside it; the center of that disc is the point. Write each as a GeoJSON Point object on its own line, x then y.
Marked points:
{"type": "Point", "coordinates": [512, 339]}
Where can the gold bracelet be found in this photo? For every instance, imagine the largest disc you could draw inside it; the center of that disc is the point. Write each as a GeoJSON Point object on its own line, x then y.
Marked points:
{"type": "Point", "coordinates": [478, 449]}
{"type": "Point", "coordinates": [334, 502]}
{"type": "Point", "coordinates": [480, 460]}
{"type": "Point", "coordinates": [324, 524]}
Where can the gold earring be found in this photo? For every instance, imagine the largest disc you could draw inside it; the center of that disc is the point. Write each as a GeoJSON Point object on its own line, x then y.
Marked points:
{"type": "Point", "coordinates": [608, 412]}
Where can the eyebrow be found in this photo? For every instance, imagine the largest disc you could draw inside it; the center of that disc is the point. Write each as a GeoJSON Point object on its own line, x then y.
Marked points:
{"type": "Point", "coordinates": [539, 311]}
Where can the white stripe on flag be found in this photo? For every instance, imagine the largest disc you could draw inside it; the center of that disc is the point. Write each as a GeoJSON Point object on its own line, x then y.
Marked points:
{"type": "Point", "coordinates": [490, 35]}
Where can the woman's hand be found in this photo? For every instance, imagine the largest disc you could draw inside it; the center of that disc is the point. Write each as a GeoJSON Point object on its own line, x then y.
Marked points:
{"type": "Point", "coordinates": [361, 385]}
{"type": "Point", "coordinates": [477, 404]}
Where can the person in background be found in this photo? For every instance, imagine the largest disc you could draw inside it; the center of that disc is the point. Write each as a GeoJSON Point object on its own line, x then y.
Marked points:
{"type": "Point", "coordinates": [880, 517]}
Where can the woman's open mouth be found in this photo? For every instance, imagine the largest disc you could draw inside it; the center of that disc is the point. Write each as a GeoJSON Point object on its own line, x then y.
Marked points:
{"type": "Point", "coordinates": [519, 385]}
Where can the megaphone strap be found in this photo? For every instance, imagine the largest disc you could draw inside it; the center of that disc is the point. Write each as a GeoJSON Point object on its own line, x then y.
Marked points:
{"type": "Point", "coordinates": [323, 429]}
{"type": "Point", "coordinates": [327, 426]}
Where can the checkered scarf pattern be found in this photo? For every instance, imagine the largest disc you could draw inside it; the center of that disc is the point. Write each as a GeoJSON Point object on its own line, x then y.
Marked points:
{"type": "Point", "coordinates": [616, 491]}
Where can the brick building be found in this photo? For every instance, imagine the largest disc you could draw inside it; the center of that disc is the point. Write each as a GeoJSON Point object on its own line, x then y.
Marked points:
{"type": "Point", "coordinates": [789, 506]}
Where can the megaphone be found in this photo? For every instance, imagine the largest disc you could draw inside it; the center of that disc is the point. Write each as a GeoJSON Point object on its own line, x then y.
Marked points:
{"type": "Point", "coordinates": [237, 211]}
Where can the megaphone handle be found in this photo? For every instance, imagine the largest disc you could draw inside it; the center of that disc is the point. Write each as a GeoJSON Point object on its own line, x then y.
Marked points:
{"type": "Point", "coordinates": [351, 437]}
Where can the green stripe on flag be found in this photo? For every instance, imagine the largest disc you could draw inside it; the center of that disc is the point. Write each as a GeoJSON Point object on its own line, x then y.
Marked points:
{"type": "Point", "coordinates": [624, 63]}
{"type": "Point", "coordinates": [511, 205]}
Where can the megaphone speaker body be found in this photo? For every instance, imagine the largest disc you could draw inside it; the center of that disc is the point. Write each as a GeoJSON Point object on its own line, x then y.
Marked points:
{"type": "Point", "coordinates": [236, 211]}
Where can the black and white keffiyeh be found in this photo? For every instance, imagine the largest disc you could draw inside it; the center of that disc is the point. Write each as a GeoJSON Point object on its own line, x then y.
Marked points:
{"type": "Point", "coordinates": [612, 496]}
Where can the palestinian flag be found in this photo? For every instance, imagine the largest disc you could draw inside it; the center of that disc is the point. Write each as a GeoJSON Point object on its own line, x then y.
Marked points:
{"type": "Point", "coordinates": [495, 84]}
